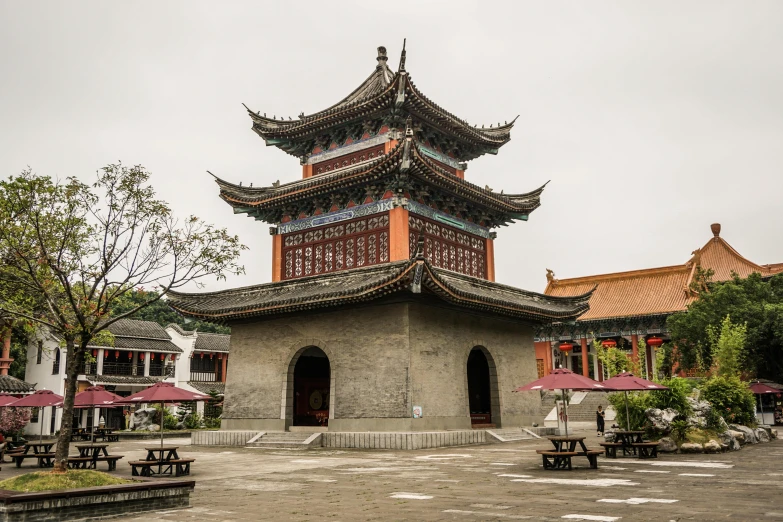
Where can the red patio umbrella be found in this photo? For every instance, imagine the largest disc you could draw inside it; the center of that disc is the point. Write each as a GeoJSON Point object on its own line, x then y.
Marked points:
{"type": "Point", "coordinates": [163, 393]}
{"type": "Point", "coordinates": [92, 397]}
{"type": "Point", "coordinates": [39, 399]}
{"type": "Point", "coordinates": [6, 399]}
{"type": "Point", "coordinates": [564, 379]}
{"type": "Point", "coordinates": [760, 389]}
{"type": "Point", "coordinates": [626, 382]}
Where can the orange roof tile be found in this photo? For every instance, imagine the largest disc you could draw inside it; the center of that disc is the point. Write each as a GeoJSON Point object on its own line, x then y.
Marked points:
{"type": "Point", "coordinates": [657, 290]}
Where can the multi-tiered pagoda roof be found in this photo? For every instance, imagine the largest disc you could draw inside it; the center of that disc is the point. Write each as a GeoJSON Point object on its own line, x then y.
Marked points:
{"type": "Point", "coordinates": [384, 98]}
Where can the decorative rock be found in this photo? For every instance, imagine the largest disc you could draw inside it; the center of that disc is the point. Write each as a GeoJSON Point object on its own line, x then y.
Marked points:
{"type": "Point", "coordinates": [773, 434]}
{"type": "Point", "coordinates": [143, 418]}
{"type": "Point", "coordinates": [728, 442]}
{"type": "Point", "coordinates": [761, 435]}
{"type": "Point", "coordinates": [661, 419]}
{"type": "Point", "coordinates": [738, 436]}
{"type": "Point", "coordinates": [691, 447]}
{"type": "Point", "coordinates": [609, 436]}
{"type": "Point", "coordinates": [750, 436]}
{"type": "Point", "coordinates": [712, 446]}
{"type": "Point", "coordinates": [667, 445]}
{"type": "Point", "coordinates": [722, 424]}
{"type": "Point", "coordinates": [153, 427]}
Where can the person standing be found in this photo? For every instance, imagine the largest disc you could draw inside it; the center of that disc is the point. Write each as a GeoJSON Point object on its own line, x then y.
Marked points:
{"type": "Point", "coordinates": [599, 420]}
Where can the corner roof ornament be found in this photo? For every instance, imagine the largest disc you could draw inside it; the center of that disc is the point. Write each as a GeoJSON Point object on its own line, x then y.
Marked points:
{"type": "Point", "coordinates": [381, 57]}
{"type": "Point", "coordinates": [401, 68]}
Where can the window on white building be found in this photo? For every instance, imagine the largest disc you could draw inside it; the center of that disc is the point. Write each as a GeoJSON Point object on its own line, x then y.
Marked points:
{"type": "Point", "coordinates": [40, 352]}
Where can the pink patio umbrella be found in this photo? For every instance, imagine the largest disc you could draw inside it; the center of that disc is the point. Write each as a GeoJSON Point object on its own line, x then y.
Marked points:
{"type": "Point", "coordinates": [626, 382]}
{"type": "Point", "coordinates": [564, 379]}
{"type": "Point", "coordinates": [761, 389]}
{"type": "Point", "coordinates": [92, 397]}
{"type": "Point", "coordinates": [39, 399]}
{"type": "Point", "coordinates": [163, 393]}
{"type": "Point", "coordinates": [6, 399]}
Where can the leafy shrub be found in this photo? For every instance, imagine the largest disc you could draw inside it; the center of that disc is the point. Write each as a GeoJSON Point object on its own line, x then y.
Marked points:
{"type": "Point", "coordinates": [679, 430]}
{"type": "Point", "coordinates": [637, 404]}
{"type": "Point", "coordinates": [713, 420]}
{"type": "Point", "coordinates": [674, 398]}
{"type": "Point", "coordinates": [731, 398]}
{"type": "Point", "coordinates": [193, 421]}
{"type": "Point", "coordinates": [211, 423]}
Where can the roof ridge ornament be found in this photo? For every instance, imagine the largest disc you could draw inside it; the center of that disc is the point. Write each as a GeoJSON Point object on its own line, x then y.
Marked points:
{"type": "Point", "coordinates": [401, 68]}
{"type": "Point", "coordinates": [406, 152]}
{"type": "Point", "coordinates": [382, 58]}
{"type": "Point", "coordinates": [418, 273]}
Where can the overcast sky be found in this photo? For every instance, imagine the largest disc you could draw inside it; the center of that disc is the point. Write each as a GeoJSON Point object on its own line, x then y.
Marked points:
{"type": "Point", "coordinates": [652, 119]}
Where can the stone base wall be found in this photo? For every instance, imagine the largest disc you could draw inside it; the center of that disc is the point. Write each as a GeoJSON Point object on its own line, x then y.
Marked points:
{"type": "Point", "coordinates": [384, 358]}
{"type": "Point", "coordinates": [105, 502]}
{"type": "Point", "coordinates": [403, 441]}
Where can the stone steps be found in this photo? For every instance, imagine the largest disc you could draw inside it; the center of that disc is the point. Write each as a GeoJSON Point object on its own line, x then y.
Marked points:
{"type": "Point", "coordinates": [286, 439]}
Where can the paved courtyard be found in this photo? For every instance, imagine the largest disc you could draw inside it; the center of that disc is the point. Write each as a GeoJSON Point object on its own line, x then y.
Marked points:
{"type": "Point", "coordinates": [489, 482]}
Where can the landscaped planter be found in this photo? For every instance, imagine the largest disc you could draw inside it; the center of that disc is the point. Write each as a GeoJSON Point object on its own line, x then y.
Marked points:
{"type": "Point", "coordinates": [97, 502]}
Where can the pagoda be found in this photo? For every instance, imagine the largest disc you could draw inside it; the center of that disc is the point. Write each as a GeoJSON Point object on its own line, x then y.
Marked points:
{"type": "Point", "coordinates": [382, 313]}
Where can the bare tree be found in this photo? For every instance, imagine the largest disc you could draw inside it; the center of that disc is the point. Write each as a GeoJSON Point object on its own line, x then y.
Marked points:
{"type": "Point", "coordinates": [71, 250]}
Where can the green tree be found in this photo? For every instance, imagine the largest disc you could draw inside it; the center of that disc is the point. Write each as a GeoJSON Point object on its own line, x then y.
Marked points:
{"type": "Point", "coordinates": [160, 313]}
{"type": "Point", "coordinates": [753, 301]}
{"type": "Point", "coordinates": [728, 345]}
{"type": "Point", "coordinates": [72, 250]}
{"type": "Point", "coordinates": [613, 359]}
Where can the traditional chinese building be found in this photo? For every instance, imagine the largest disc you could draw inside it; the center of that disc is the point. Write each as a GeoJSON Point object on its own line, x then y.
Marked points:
{"type": "Point", "coordinates": [627, 307]}
{"type": "Point", "coordinates": [383, 313]}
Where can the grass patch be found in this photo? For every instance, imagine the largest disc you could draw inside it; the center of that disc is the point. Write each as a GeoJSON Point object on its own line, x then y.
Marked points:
{"type": "Point", "coordinates": [72, 479]}
{"type": "Point", "coordinates": [700, 436]}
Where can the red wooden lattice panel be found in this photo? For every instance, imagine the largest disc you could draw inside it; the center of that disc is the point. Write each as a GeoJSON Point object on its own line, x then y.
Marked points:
{"type": "Point", "coordinates": [349, 159]}
{"type": "Point", "coordinates": [341, 246]}
{"type": "Point", "coordinates": [446, 247]}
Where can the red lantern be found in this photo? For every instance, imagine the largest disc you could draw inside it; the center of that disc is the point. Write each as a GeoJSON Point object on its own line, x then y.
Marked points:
{"type": "Point", "coordinates": [566, 347]}
{"type": "Point", "coordinates": [105, 354]}
{"type": "Point", "coordinates": [202, 355]}
{"type": "Point", "coordinates": [655, 341]}
{"type": "Point", "coordinates": [116, 354]}
{"type": "Point", "coordinates": [130, 355]}
{"type": "Point", "coordinates": [211, 356]}
{"type": "Point", "coordinates": [163, 357]}
{"type": "Point", "coordinates": [173, 356]}
{"type": "Point", "coordinates": [95, 353]}
{"type": "Point", "coordinates": [142, 356]}
{"type": "Point", "coordinates": [220, 356]}
{"type": "Point", "coordinates": [609, 343]}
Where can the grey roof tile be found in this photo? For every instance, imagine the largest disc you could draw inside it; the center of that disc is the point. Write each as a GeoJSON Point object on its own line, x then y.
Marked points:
{"type": "Point", "coordinates": [9, 384]}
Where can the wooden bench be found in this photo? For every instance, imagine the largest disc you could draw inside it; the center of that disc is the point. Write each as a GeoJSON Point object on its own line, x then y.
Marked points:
{"type": "Point", "coordinates": [592, 457]}
{"type": "Point", "coordinates": [647, 450]}
{"type": "Point", "coordinates": [611, 448]}
{"type": "Point", "coordinates": [45, 460]}
{"type": "Point", "coordinates": [90, 463]}
{"type": "Point", "coordinates": [557, 459]}
{"type": "Point", "coordinates": [144, 468]}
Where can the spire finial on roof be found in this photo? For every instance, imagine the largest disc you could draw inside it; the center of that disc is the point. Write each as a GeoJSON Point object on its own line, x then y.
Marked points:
{"type": "Point", "coordinates": [402, 56]}
{"type": "Point", "coordinates": [715, 227]}
{"type": "Point", "coordinates": [382, 55]}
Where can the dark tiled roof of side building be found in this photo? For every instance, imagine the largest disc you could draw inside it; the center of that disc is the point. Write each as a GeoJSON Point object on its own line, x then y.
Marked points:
{"type": "Point", "coordinates": [9, 384]}
{"type": "Point", "coordinates": [205, 341]}
{"type": "Point", "coordinates": [206, 387]}
{"type": "Point", "coordinates": [132, 334]}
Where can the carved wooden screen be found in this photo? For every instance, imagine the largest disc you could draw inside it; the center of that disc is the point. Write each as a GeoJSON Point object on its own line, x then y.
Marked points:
{"type": "Point", "coordinates": [446, 247]}
{"type": "Point", "coordinates": [341, 246]}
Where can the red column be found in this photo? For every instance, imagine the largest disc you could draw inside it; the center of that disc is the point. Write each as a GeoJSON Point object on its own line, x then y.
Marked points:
{"type": "Point", "coordinates": [225, 367]}
{"type": "Point", "coordinates": [585, 359]}
{"type": "Point", "coordinates": [490, 261]}
{"type": "Point", "coordinates": [5, 361]}
{"type": "Point", "coordinates": [649, 355]}
{"type": "Point", "coordinates": [399, 240]}
{"type": "Point", "coordinates": [277, 257]}
{"type": "Point", "coordinates": [635, 349]}
{"type": "Point", "coordinates": [549, 362]}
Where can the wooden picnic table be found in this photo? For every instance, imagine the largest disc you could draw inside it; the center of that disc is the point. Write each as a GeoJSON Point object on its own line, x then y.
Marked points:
{"type": "Point", "coordinates": [162, 453]}
{"type": "Point", "coordinates": [627, 438]}
{"type": "Point", "coordinates": [92, 450]}
{"type": "Point", "coordinates": [35, 450]}
{"type": "Point", "coordinates": [565, 448]}
{"type": "Point", "coordinates": [38, 447]}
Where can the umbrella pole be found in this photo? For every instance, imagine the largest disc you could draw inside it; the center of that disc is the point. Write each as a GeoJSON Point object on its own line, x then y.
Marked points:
{"type": "Point", "coordinates": [162, 416]}
{"type": "Point", "coordinates": [627, 415]}
{"type": "Point", "coordinates": [41, 419]}
{"type": "Point", "coordinates": [761, 404]}
{"type": "Point", "coordinates": [565, 411]}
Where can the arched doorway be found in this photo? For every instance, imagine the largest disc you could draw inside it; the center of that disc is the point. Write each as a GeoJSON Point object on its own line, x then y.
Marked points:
{"type": "Point", "coordinates": [482, 388]}
{"type": "Point", "coordinates": [311, 386]}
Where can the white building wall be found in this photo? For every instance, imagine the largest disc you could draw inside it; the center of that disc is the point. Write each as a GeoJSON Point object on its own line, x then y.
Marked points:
{"type": "Point", "coordinates": [42, 377]}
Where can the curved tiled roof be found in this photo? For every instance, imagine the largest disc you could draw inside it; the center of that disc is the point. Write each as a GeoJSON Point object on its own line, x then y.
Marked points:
{"type": "Point", "coordinates": [9, 384]}
{"type": "Point", "coordinates": [405, 155]}
{"type": "Point", "coordinates": [136, 335]}
{"type": "Point", "coordinates": [369, 283]}
{"type": "Point", "coordinates": [381, 91]}
{"type": "Point", "coordinates": [658, 290]}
